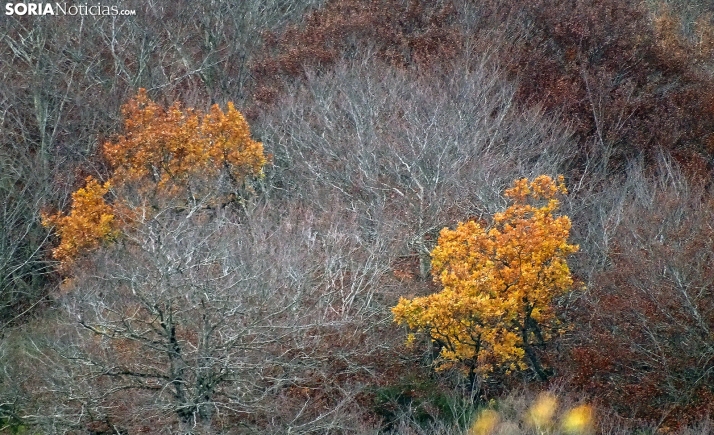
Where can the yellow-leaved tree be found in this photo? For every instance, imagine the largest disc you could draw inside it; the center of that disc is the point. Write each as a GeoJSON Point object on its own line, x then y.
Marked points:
{"type": "Point", "coordinates": [498, 283]}
{"type": "Point", "coordinates": [90, 220]}
{"type": "Point", "coordinates": [167, 157]}
{"type": "Point", "coordinates": [180, 153]}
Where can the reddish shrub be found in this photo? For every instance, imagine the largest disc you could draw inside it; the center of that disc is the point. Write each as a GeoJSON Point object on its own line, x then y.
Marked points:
{"type": "Point", "coordinates": [643, 341]}
{"type": "Point", "coordinates": [413, 33]}
{"type": "Point", "coordinates": [625, 83]}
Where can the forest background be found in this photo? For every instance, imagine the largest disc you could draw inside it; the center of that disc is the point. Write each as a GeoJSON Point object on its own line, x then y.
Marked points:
{"type": "Point", "coordinates": [256, 297]}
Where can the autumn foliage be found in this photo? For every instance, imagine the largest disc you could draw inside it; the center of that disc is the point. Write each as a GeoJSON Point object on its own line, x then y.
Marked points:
{"type": "Point", "coordinates": [372, 109]}
{"type": "Point", "coordinates": [90, 220]}
{"type": "Point", "coordinates": [402, 33]}
{"type": "Point", "coordinates": [169, 152]}
{"type": "Point", "coordinates": [166, 157]}
{"type": "Point", "coordinates": [498, 282]}
{"type": "Point", "coordinates": [644, 345]}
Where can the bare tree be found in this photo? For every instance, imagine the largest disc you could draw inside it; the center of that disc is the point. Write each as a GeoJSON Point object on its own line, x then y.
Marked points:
{"type": "Point", "coordinates": [63, 82]}
{"type": "Point", "coordinates": [644, 341]}
{"type": "Point", "coordinates": [424, 149]}
{"type": "Point", "coordinates": [207, 321]}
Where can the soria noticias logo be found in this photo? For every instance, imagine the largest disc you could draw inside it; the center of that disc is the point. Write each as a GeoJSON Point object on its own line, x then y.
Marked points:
{"type": "Point", "coordinates": [83, 9]}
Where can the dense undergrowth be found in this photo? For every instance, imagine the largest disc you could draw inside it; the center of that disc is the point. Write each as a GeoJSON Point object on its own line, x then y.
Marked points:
{"type": "Point", "coordinates": [383, 122]}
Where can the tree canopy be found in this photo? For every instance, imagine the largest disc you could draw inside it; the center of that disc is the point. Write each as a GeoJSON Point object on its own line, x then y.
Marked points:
{"type": "Point", "coordinates": [498, 282]}
{"type": "Point", "coordinates": [166, 157]}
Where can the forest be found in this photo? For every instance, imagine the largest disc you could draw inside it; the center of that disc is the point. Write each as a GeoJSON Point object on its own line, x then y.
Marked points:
{"type": "Point", "coordinates": [412, 217]}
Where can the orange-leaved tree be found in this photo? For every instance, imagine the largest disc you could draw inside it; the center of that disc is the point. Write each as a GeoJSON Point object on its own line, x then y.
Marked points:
{"type": "Point", "coordinates": [165, 158]}
{"type": "Point", "coordinates": [498, 283]}
{"type": "Point", "coordinates": [181, 153]}
{"type": "Point", "coordinates": [90, 220]}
